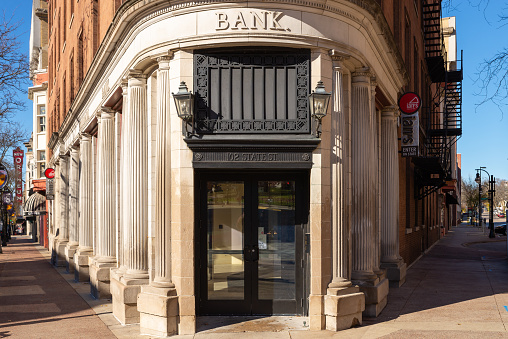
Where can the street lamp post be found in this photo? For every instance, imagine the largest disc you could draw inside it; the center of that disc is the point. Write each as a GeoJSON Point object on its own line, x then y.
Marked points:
{"type": "Point", "coordinates": [491, 192]}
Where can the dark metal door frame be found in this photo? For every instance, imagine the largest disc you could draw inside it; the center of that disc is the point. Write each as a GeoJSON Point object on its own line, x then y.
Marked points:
{"type": "Point", "coordinates": [251, 305]}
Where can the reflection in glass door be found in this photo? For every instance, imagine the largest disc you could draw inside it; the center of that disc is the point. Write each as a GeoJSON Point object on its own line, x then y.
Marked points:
{"type": "Point", "coordinates": [251, 243]}
{"type": "Point", "coordinates": [225, 239]}
{"type": "Point", "coordinates": [276, 240]}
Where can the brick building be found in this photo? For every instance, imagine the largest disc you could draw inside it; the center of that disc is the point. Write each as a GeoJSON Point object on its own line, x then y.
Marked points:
{"type": "Point", "coordinates": [249, 198]}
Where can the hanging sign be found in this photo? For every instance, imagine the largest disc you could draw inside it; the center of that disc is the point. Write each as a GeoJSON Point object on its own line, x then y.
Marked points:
{"type": "Point", "coordinates": [50, 189]}
{"type": "Point", "coordinates": [410, 130]}
{"type": "Point", "coordinates": [18, 174]}
{"type": "Point", "coordinates": [409, 103]}
{"type": "Point", "coordinates": [49, 173]}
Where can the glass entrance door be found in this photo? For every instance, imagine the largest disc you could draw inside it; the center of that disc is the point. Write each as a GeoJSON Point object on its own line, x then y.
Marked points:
{"type": "Point", "coordinates": [251, 244]}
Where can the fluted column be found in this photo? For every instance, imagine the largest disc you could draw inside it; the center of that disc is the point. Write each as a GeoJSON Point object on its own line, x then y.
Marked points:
{"type": "Point", "coordinates": [135, 164]}
{"type": "Point", "coordinates": [390, 186]}
{"type": "Point", "coordinates": [375, 178]}
{"type": "Point", "coordinates": [340, 228]}
{"type": "Point", "coordinates": [85, 195]}
{"type": "Point", "coordinates": [73, 217]}
{"type": "Point", "coordinates": [106, 188]}
{"type": "Point", "coordinates": [64, 198]}
{"type": "Point", "coordinates": [363, 215]}
{"type": "Point", "coordinates": [163, 179]}
{"type": "Point", "coordinates": [85, 248]}
{"type": "Point", "coordinates": [73, 196]}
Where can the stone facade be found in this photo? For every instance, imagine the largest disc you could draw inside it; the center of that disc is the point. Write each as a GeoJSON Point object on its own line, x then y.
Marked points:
{"type": "Point", "coordinates": [138, 229]}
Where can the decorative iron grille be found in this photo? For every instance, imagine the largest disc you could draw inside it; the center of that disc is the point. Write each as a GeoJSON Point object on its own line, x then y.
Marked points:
{"type": "Point", "coordinates": [252, 92]}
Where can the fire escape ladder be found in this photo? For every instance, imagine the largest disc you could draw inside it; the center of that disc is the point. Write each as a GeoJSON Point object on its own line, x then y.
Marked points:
{"type": "Point", "coordinates": [433, 40]}
{"type": "Point", "coordinates": [442, 123]}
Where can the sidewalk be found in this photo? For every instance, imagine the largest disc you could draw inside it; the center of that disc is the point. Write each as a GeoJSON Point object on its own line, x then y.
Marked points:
{"type": "Point", "coordinates": [456, 290]}
{"type": "Point", "coordinates": [36, 302]}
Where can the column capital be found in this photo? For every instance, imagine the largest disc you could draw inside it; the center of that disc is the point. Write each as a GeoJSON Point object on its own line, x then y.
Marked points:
{"type": "Point", "coordinates": [107, 112]}
{"type": "Point", "coordinates": [83, 137]}
{"type": "Point", "coordinates": [390, 112]}
{"type": "Point", "coordinates": [338, 56]}
{"type": "Point", "coordinates": [136, 78]}
{"type": "Point", "coordinates": [163, 60]}
{"type": "Point", "coordinates": [124, 84]}
{"type": "Point", "coordinates": [74, 149]}
{"type": "Point", "coordinates": [373, 82]}
{"type": "Point", "coordinates": [361, 75]}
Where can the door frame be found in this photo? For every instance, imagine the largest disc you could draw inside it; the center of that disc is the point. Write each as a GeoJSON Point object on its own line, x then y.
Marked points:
{"type": "Point", "coordinates": [250, 305]}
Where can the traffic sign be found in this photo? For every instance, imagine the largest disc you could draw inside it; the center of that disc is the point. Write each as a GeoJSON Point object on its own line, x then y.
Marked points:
{"type": "Point", "coordinates": [49, 173]}
{"type": "Point", "coordinates": [409, 102]}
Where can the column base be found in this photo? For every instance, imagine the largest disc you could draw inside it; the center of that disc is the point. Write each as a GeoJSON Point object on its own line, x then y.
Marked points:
{"type": "Point", "coordinates": [100, 279]}
{"type": "Point", "coordinates": [376, 292]}
{"type": "Point", "coordinates": [158, 310]}
{"type": "Point", "coordinates": [395, 272]}
{"type": "Point", "coordinates": [344, 307]}
{"type": "Point", "coordinates": [124, 295]}
{"type": "Point", "coordinates": [81, 265]}
{"type": "Point", "coordinates": [60, 259]}
{"type": "Point", "coordinates": [70, 249]}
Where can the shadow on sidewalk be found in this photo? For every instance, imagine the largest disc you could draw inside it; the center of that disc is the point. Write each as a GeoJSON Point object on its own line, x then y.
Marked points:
{"type": "Point", "coordinates": [457, 279]}
{"type": "Point", "coordinates": [35, 297]}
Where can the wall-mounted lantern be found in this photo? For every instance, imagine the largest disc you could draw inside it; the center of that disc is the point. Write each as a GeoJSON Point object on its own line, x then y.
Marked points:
{"type": "Point", "coordinates": [184, 101]}
{"type": "Point", "coordinates": [318, 101]}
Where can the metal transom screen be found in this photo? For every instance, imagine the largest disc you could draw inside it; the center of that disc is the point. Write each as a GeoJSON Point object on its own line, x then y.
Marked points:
{"type": "Point", "coordinates": [252, 92]}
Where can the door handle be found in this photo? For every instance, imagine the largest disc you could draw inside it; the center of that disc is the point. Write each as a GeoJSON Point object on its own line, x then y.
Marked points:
{"type": "Point", "coordinates": [251, 253]}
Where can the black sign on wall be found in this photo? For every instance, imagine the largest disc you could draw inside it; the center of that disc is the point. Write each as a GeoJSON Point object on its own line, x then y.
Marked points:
{"type": "Point", "coordinates": [252, 92]}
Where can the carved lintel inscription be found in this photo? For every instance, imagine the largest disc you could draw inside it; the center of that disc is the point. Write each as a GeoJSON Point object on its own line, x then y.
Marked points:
{"type": "Point", "coordinates": [249, 20]}
{"type": "Point", "coordinates": [251, 158]}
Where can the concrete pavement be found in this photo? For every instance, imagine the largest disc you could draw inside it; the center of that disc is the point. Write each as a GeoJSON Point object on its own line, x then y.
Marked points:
{"type": "Point", "coordinates": [35, 302]}
{"type": "Point", "coordinates": [458, 289]}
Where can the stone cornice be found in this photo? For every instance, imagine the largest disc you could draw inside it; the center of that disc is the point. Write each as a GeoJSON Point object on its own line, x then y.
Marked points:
{"type": "Point", "coordinates": [134, 13]}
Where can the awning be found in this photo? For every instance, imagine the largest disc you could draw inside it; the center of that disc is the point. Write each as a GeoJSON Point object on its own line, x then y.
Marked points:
{"type": "Point", "coordinates": [451, 200]}
{"type": "Point", "coordinates": [35, 205]}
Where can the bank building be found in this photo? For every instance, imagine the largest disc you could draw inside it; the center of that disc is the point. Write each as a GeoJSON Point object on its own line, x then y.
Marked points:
{"type": "Point", "coordinates": [244, 157]}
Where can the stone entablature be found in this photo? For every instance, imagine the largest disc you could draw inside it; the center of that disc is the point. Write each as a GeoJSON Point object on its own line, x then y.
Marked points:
{"type": "Point", "coordinates": [339, 27]}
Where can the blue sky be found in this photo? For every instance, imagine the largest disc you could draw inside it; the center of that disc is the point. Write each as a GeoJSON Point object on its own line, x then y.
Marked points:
{"type": "Point", "coordinates": [479, 34]}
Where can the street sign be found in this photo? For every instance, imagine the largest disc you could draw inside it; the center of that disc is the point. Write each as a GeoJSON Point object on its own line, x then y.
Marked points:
{"type": "Point", "coordinates": [409, 103]}
{"type": "Point", "coordinates": [50, 189]}
{"type": "Point", "coordinates": [410, 130]}
{"type": "Point", "coordinates": [49, 173]}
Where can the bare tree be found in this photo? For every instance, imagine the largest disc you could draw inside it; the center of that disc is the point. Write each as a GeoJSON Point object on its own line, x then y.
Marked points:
{"type": "Point", "coordinates": [492, 73]}
{"type": "Point", "coordinates": [11, 136]}
{"type": "Point", "coordinates": [14, 68]}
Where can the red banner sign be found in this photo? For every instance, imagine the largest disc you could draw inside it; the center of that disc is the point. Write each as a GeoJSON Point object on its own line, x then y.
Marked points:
{"type": "Point", "coordinates": [18, 155]}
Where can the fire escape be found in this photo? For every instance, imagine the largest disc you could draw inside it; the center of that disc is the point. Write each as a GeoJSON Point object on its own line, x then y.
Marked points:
{"type": "Point", "coordinates": [442, 121]}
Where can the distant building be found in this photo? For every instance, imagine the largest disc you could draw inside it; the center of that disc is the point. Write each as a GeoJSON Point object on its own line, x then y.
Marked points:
{"type": "Point", "coordinates": [35, 206]}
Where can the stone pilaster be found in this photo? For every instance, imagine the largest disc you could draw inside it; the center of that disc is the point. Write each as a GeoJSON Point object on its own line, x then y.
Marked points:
{"type": "Point", "coordinates": [135, 202]}
{"type": "Point", "coordinates": [344, 303]}
{"type": "Point", "coordinates": [105, 249]}
{"type": "Point", "coordinates": [157, 302]}
{"type": "Point", "coordinates": [63, 210]}
{"type": "Point", "coordinates": [375, 175]}
{"type": "Point", "coordinates": [390, 258]}
{"type": "Point", "coordinates": [73, 243]}
{"type": "Point", "coordinates": [85, 248]}
{"type": "Point", "coordinates": [123, 185]}
{"type": "Point", "coordinates": [364, 182]}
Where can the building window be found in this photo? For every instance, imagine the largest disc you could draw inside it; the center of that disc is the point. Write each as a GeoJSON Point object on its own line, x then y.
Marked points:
{"type": "Point", "coordinates": [41, 118]}
{"type": "Point", "coordinates": [42, 155]}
